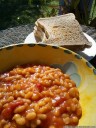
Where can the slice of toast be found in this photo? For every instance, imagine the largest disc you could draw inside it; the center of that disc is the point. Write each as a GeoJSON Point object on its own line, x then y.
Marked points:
{"type": "Point", "coordinates": [39, 34]}
{"type": "Point", "coordinates": [63, 30]}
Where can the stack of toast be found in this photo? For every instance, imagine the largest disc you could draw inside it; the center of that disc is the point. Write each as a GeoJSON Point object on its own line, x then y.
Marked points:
{"type": "Point", "coordinates": [63, 30]}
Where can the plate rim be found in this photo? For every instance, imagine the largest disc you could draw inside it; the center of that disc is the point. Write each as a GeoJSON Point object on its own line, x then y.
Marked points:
{"type": "Point", "coordinates": [68, 51]}
{"type": "Point", "coordinates": [85, 53]}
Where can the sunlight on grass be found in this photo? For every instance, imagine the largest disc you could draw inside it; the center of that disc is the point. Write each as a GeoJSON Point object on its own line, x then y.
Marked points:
{"type": "Point", "coordinates": [93, 10]}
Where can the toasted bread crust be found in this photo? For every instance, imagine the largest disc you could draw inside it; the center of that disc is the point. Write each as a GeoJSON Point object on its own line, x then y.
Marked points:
{"type": "Point", "coordinates": [63, 31]}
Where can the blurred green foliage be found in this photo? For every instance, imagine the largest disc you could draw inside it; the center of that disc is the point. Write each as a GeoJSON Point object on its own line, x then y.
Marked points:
{"type": "Point", "coordinates": [20, 12]}
{"type": "Point", "coordinates": [84, 10]}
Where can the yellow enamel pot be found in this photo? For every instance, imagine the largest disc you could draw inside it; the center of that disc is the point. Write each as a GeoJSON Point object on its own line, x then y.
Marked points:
{"type": "Point", "coordinates": [81, 71]}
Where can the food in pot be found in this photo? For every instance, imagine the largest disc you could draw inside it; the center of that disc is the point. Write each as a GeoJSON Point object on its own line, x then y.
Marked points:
{"type": "Point", "coordinates": [37, 96]}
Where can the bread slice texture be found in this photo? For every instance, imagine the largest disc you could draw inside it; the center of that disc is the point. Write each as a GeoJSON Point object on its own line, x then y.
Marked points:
{"type": "Point", "coordinates": [63, 30]}
{"type": "Point", "coordinates": [41, 29]}
{"type": "Point", "coordinates": [39, 34]}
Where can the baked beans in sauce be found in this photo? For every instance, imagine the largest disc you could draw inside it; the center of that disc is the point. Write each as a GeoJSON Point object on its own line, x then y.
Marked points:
{"type": "Point", "coordinates": [36, 96]}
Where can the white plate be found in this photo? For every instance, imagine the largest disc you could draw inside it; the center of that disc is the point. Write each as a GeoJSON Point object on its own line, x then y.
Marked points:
{"type": "Point", "coordinates": [88, 53]}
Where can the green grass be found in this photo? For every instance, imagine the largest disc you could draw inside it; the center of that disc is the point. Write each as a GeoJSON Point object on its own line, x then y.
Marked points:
{"type": "Point", "coordinates": [93, 10]}
{"type": "Point", "coordinates": [19, 14]}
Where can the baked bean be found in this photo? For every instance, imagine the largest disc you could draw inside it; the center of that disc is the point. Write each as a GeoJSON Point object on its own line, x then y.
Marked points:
{"type": "Point", "coordinates": [16, 116]}
{"type": "Point", "coordinates": [57, 112]}
{"type": "Point", "coordinates": [38, 122]}
{"type": "Point", "coordinates": [66, 120]}
{"type": "Point", "coordinates": [68, 109]}
{"type": "Point", "coordinates": [74, 119]}
{"type": "Point", "coordinates": [45, 108]}
{"type": "Point", "coordinates": [36, 108]}
{"type": "Point", "coordinates": [73, 92]}
{"type": "Point", "coordinates": [20, 121]}
{"type": "Point", "coordinates": [28, 95]}
{"type": "Point", "coordinates": [1, 95]}
{"type": "Point", "coordinates": [27, 101]}
{"type": "Point", "coordinates": [75, 101]}
{"type": "Point", "coordinates": [5, 105]}
{"type": "Point", "coordinates": [21, 93]}
{"type": "Point", "coordinates": [65, 115]}
{"type": "Point", "coordinates": [42, 116]}
{"type": "Point", "coordinates": [15, 93]}
{"type": "Point", "coordinates": [41, 103]}
{"type": "Point", "coordinates": [73, 107]}
{"type": "Point", "coordinates": [78, 110]}
{"type": "Point", "coordinates": [66, 76]}
{"type": "Point", "coordinates": [20, 109]}
{"type": "Point", "coordinates": [58, 91]}
{"type": "Point", "coordinates": [2, 123]}
{"type": "Point", "coordinates": [31, 116]}
{"type": "Point", "coordinates": [7, 125]}
{"type": "Point", "coordinates": [34, 96]}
